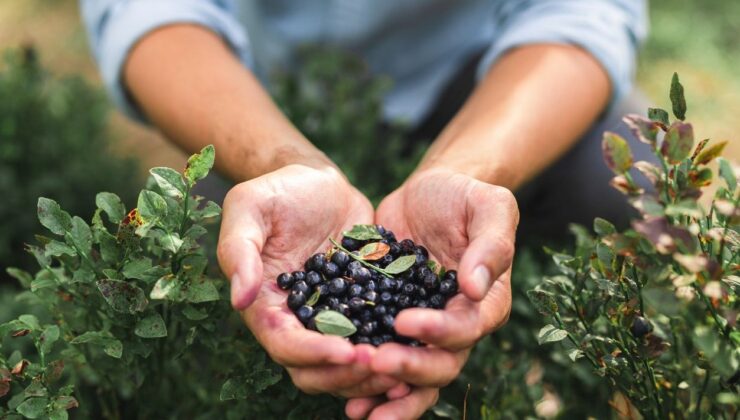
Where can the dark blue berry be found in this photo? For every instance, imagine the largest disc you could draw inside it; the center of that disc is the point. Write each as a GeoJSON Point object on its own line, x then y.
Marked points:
{"type": "Point", "coordinates": [285, 281]}
{"type": "Point", "coordinates": [381, 229]}
{"type": "Point", "coordinates": [393, 310]}
{"type": "Point", "coordinates": [422, 293]}
{"type": "Point", "coordinates": [354, 265]}
{"type": "Point", "coordinates": [380, 310]}
{"type": "Point", "coordinates": [366, 315]}
{"type": "Point", "coordinates": [341, 259]}
{"type": "Point", "coordinates": [421, 259]}
{"type": "Point", "coordinates": [386, 298]}
{"type": "Point", "coordinates": [430, 281]}
{"type": "Point", "coordinates": [368, 328]}
{"type": "Point", "coordinates": [404, 301]}
{"type": "Point", "coordinates": [640, 327]}
{"type": "Point", "coordinates": [451, 275]}
{"type": "Point", "coordinates": [387, 321]}
{"type": "Point", "coordinates": [360, 275]}
{"type": "Point", "coordinates": [355, 290]}
{"type": "Point", "coordinates": [448, 287]}
{"type": "Point", "coordinates": [338, 286]}
{"type": "Point", "coordinates": [343, 309]}
{"type": "Point", "coordinates": [376, 340]}
{"type": "Point", "coordinates": [331, 270]}
{"type": "Point", "coordinates": [296, 300]}
{"type": "Point", "coordinates": [409, 289]}
{"type": "Point", "coordinates": [371, 285]}
{"type": "Point", "coordinates": [421, 303]}
{"type": "Point", "coordinates": [302, 287]}
{"type": "Point", "coordinates": [356, 322]}
{"type": "Point", "coordinates": [356, 304]}
{"type": "Point", "coordinates": [407, 246]}
{"type": "Point", "coordinates": [387, 338]}
{"type": "Point", "coordinates": [304, 313]}
{"type": "Point", "coordinates": [313, 278]}
{"type": "Point", "coordinates": [351, 244]}
{"type": "Point", "coordinates": [322, 288]}
{"type": "Point", "coordinates": [395, 249]}
{"type": "Point", "coordinates": [370, 296]}
{"type": "Point", "coordinates": [361, 339]}
{"type": "Point", "coordinates": [387, 259]}
{"type": "Point", "coordinates": [316, 262]}
{"type": "Point", "coordinates": [333, 302]}
{"type": "Point", "coordinates": [437, 301]}
{"type": "Point", "coordinates": [299, 275]}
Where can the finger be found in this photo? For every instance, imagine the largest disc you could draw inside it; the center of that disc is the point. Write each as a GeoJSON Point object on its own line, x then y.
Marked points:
{"type": "Point", "coordinates": [411, 406]}
{"type": "Point", "coordinates": [462, 322]}
{"type": "Point", "coordinates": [289, 343]}
{"type": "Point", "coordinates": [492, 220]}
{"type": "Point", "coordinates": [240, 244]}
{"type": "Point", "coordinates": [399, 391]}
{"type": "Point", "coordinates": [359, 408]}
{"type": "Point", "coordinates": [422, 366]}
{"type": "Point", "coordinates": [345, 381]}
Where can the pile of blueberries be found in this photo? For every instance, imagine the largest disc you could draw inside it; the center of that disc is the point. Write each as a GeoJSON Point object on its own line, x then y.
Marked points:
{"type": "Point", "coordinates": [369, 298]}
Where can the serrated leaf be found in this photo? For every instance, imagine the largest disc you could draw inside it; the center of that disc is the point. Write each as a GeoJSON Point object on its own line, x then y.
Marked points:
{"type": "Point", "coordinates": [314, 297]}
{"type": "Point", "coordinates": [728, 174]}
{"type": "Point", "coordinates": [644, 129]}
{"type": "Point", "coordinates": [603, 227]}
{"type": "Point", "coordinates": [374, 251]}
{"type": "Point", "coordinates": [400, 264]}
{"type": "Point", "coordinates": [169, 181]}
{"type": "Point", "coordinates": [204, 291]}
{"type": "Point", "coordinates": [678, 101]}
{"type": "Point", "coordinates": [53, 217]}
{"type": "Point", "coordinates": [658, 115]}
{"type": "Point", "coordinates": [363, 232]}
{"type": "Point", "coordinates": [678, 142]}
{"type": "Point", "coordinates": [550, 334]}
{"type": "Point", "coordinates": [334, 323]}
{"type": "Point", "coordinates": [151, 327]}
{"type": "Point", "coordinates": [152, 206]}
{"type": "Point", "coordinates": [112, 205]}
{"type": "Point", "coordinates": [33, 408]}
{"type": "Point", "coordinates": [48, 338]}
{"type": "Point", "coordinates": [122, 296]}
{"type": "Point", "coordinates": [616, 152]}
{"type": "Point", "coordinates": [200, 164]}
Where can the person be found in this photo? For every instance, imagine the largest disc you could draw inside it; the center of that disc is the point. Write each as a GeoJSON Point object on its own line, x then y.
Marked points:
{"type": "Point", "coordinates": [513, 91]}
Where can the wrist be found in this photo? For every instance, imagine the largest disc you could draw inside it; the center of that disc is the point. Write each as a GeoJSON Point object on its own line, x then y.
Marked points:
{"type": "Point", "coordinates": [484, 166]}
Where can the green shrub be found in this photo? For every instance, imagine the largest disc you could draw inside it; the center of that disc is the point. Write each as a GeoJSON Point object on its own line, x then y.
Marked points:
{"type": "Point", "coordinates": [53, 142]}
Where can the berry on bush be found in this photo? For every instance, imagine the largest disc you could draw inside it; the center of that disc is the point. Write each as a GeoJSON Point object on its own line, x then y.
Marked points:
{"type": "Point", "coordinates": [357, 288]}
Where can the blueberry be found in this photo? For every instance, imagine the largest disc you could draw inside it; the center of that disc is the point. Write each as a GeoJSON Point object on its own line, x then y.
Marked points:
{"type": "Point", "coordinates": [371, 285]}
{"type": "Point", "coordinates": [409, 289]}
{"type": "Point", "coordinates": [376, 340]}
{"type": "Point", "coordinates": [380, 310]}
{"type": "Point", "coordinates": [422, 272]}
{"type": "Point", "coordinates": [368, 328]}
{"type": "Point", "coordinates": [390, 237]}
{"type": "Point", "coordinates": [285, 281]}
{"type": "Point", "coordinates": [351, 244]}
{"type": "Point", "coordinates": [299, 275]}
{"type": "Point", "coordinates": [387, 259]}
{"type": "Point", "coordinates": [393, 310]}
{"type": "Point", "coordinates": [313, 278]}
{"type": "Point", "coordinates": [421, 303]}
{"type": "Point", "coordinates": [437, 301]}
{"type": "Point", "coordinates": [356, 304]}
{"type": "Point", "coordinates": [361, 339]}
{"type": "Point", "coordinates": [296, 300]}
{"type": "Point", "coordinates": [355, 290]}
{"type": "Point", "coordinates": [360, 275]}
{"type": "Point", "coordinates": [641, 327]}
{"type": "Point", "coordinates": [322, 308]}
{"type": "Point", "coordinates": [366, 315]}
{"type": "Point", "coordinates": [448, 287]}
{"type": "Point", "coordinates": [302, 287]}
{"type": "Point", "coordinates": [395, 249]}
{"type": "Point", "coordinates": [356, 322]}
{"type": "Point", "coordinates": [386, 298]}
{"type": "Point", "coordinates": [408, 274]}
{"type": "Point", "coordinates": [407, 246]}
{"type": "Point", "coordinates": [354, 265]}
{"type": "Point", "coordinates": [338, 286]}
{"type": "Point", "coordinates": [311, 324]}
{"type": "Point", "coordinates": [304, 313]}
{"type": "Point", "coordinates": [333, 302]}
{"type": "Point", "coordinates": [421, 259]}
{"type": "Point", "coordinates": [331, 270]}
{"type": "Point", "coordinates": [422, 293]}
{"type": "Point", "coordinates": [451, 275]}
{"type": "Point", "coordinates": [381, 229]}
{"type": "Point", "coordinates": [322, 288]}
{"type": "Point", "coordinates": [387, 338]}
{"type": "Point", "coordinates": [316, 262]}
{"type": "Point", "coordinates": [404, 301]}
{"type": "Point", "coordinates": [343, 309]}
{"type": "Point", "coordinates": [370, 296]}
{"type": "Point", "coordinates": [387, 321]}
{"type": "Point", "coordinates": [341, 259]}
{"type": "Point", "coordinates": [430, 281]}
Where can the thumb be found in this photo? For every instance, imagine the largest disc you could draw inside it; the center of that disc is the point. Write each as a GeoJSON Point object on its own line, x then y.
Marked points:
{"type": "Point", "coordinates": [492, 220]}
{"type": "Point", "coordinates": [240, 260]}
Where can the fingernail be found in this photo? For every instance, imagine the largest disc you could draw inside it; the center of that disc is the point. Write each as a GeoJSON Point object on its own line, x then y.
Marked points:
{"type": "Point", "coordinates": [482, 279]}
{"type": "Point", "coordinates": [237, 290]}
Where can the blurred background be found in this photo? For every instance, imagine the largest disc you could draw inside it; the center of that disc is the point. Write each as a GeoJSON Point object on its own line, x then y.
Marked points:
{"type": "Point", "coordinates": [57, 95]}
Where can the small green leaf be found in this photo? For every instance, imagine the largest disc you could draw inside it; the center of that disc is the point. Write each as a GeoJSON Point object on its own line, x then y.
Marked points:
{"type": "Point", "coordinates": [233, 389]}
{"type": "Point", "coordinates": [550, 334]}
{"type": "Point", "coordinates": [363, 232]}
{"type": "Point", "coordinates": [151, 327]}
{"type": "Point", "coordinates": [543, 301]}
{"type": "Point", "coordinates": [31, 321]}
{"type": "Point", "coordinates": [728, 174]}
{"type": "Point", "coordinates": [314, 297]}
{"type": "Point", "coordinates": [81, 235]}
{"type": "Point", "coordinates": [166, 288]}
{"type": "Point", "coordinates": [33, 408]}
{"type": "Point", "coordinates": [111, 346]}
{"type": "Point", "coordinates": [170, 242]}
{"type": "Point", "coordinates": [334, 323]}
{"type": "Point", "coordinates": [112, 205]}
{"type": "Point", "coordinates": [48, 338]}
{"type": "Point", "coordinates": [200, 164]}
{"type": "Point", "coordinates": [644, 129]}
{"type": "Point", "coordinates": [23, 277]}
{"type": "Point", "coordinates": [169, 181]}
{"type": "Point", "coordinates": [56, 249]}
{"type": "Point", "coordinates": [136, 268]}
{"type": "Point", "coordinates": [709, 154]}
{"type": "Point", "coordinates": [603, 227]}
{"type": "Point", "coordinates": [374, 251]}
{"type": "Point", "coordinates": [678, 142]}
{"type": "Point", "coordinates": [575, 354]}
{"type": "Point", "coordinates": [678, 101]}
{"type": "Point", "coordinates": [152, 206]}
{"type": "Point", "coordinates": [122, 296]}
{"type": "Point", "coordinates": [658, 115]}
{"type": "Point", "coordinates": [616, 152]}
{"type": "Point", "coordinates": [204, 291]}
{"type": "Point", "coordinates": [400, 264]}
{"type": "Point", "coordinates": [53, 217]}
{"type": "Point", "coordinates": [194, 314]}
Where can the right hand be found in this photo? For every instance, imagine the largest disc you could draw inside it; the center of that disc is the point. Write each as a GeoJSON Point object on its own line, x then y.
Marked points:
{"type": "Point", "coordinates": [272, 224]}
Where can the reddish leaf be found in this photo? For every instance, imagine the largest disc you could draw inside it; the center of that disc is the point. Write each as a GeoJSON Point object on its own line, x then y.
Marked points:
{"type": "Point", "coordinates": [621, 183]}
{"type": "Point", "coordinates": [677, 142]}
{"type": "Point", "coordinates": [617, 154]}
{"type": "Point", "coordinates": [666, 238]}
{"type": "Point", "coordinates": [698, 149]}
{"type": "Point", "coordinates": [5, 379]}
{"type": "Point", "coordinates": [66, 402]}
{"type": "Point", "coordinates": [4, 389]}
{"type": "Point", "coordinates": [706, 156]}
{"type": "Point", "coordinates": [700, 178]}
{"type": "Point", "coordinates": [644, 129]}
{"type": "Point", "coordinates": [650, 171]}
{"type": "Point", "coordinates": [54, 371]}
{"type": "Point", "coordinates": [19, 367]}
{"type": "Point", "coordinates": [655, 346]}
{"type": "Point", "coordinates": [20, 333]}
{"type": "Point", "coordinates": [374, 251]}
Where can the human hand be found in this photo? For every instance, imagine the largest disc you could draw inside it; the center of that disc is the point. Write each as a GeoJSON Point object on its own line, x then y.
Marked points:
{"type": "Point", "coordinates": [466, 224]}
{"type": "Point", "coordinates": [270, 224]}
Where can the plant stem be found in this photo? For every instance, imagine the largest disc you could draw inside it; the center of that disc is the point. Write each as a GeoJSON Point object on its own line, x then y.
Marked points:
{"type": "Point", "coordinates": [573, 340]}
{"type": "Point", "coordinates": [360, 260]}
{"type": "Point", "coordinates": [697, 410]}
{"type": "Point", "coordinates": [185, 210]}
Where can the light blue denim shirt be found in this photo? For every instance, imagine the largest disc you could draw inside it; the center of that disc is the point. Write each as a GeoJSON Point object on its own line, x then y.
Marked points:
{"type": "Point", "coordinates": [420, 44]}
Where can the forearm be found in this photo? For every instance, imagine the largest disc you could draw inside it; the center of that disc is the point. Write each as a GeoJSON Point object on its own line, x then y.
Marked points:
{"type": "Point", "coordinates": [531, 107]}
{"type": "Point", "coordinates": [191, 86]}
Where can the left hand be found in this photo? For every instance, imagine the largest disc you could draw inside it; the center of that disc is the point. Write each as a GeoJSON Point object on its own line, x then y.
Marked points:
{"type": "Point", "coordinates": [465, 224]}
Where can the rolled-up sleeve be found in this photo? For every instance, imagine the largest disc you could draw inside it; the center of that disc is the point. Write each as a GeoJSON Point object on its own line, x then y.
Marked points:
{"type": "Point", "coordinates": [610, 30]}
{"type": "Point", "coordinates": [115, 26]}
